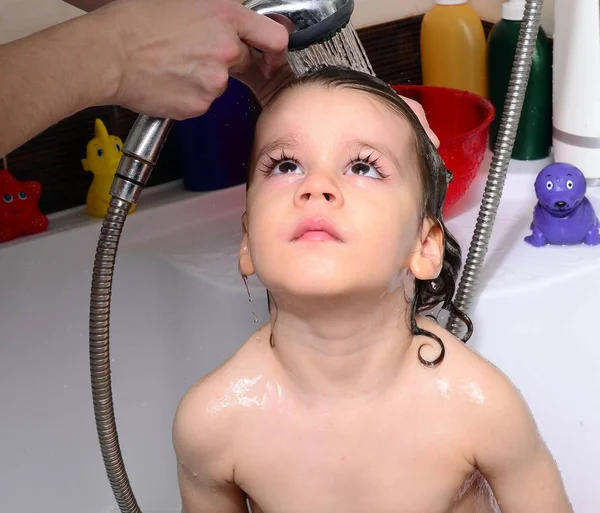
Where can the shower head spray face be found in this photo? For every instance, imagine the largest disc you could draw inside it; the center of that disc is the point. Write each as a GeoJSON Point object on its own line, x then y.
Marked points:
{"type": "Point", "coordinates": [320, 33]}
{"type": "Point", "coordinates": [309, 21]}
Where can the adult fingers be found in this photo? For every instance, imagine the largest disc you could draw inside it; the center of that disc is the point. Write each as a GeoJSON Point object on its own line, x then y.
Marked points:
{"type": "Point", "coordinates": [243, 59]}
{"type": "Point", "coordinates": [259, 31]}
{"type": "Point", "coordinates": [417, 108]}
{"type": "Point", "coordinates": [271, 63]}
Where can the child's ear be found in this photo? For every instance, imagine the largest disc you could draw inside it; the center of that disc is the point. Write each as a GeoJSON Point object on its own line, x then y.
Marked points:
{"type": "Point", "coordinates": [245, 265]}
{"type": "Point", "coordinates": [427, 259]}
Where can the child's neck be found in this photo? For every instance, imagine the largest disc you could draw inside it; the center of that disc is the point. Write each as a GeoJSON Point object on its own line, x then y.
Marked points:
{"type": "Point", "coordinates": [342, 348]}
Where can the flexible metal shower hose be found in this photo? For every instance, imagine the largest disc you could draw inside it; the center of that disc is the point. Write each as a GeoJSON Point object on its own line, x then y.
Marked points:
{"type": "Point", "coordinates": [102, 279]}
{"type": "Point", "coordinates": [502, 153]}
{"type": "Point", "coordinates": [112, 227]}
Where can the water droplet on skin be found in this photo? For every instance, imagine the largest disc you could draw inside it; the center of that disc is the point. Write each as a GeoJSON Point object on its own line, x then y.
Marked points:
{"type": "Point", "coordinates": [250, 298]}
{"type": "Point", "coordinates": [258, 339]}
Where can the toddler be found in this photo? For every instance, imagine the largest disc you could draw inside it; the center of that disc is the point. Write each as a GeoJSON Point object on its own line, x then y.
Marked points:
{"type": "Point", "coordinates": [350, 400]}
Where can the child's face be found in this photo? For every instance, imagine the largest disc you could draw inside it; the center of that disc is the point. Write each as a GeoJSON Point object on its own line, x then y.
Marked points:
{"type": "Point", "coordinates": [341, 161]}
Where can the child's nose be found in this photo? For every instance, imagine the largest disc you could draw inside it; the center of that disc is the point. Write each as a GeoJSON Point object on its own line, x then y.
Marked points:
{"type": "Point", "coordinates": [319, 186]}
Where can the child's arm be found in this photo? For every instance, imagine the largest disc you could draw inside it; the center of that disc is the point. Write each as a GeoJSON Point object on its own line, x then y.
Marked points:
{"type": "Point", "coordinates": [512, 456]}
{"type": "Point", "coordinates": [205, 463]}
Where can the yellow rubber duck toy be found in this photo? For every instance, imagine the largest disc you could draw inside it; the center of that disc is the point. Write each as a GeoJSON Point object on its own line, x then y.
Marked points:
{"type": "Point", "coordinates": [103, 156]}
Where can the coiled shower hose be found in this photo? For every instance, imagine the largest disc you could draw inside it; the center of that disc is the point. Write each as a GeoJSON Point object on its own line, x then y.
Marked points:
{"type": "Point", "coordinates": [141, 151]}
{"type": "Point", "coordinates": [494, 187]}
{"type": "Point", "coordinates": [104, 265]}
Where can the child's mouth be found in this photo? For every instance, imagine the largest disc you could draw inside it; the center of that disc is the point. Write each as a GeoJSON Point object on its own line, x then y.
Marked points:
{"type": "Point", "coordinates": [317, 236]}
{"type": "Point", "coordinates": [316, 230]}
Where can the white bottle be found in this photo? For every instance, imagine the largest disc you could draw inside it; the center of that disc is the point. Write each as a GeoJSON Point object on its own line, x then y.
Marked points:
{"type": "Point", "coordinates": [576, 86]}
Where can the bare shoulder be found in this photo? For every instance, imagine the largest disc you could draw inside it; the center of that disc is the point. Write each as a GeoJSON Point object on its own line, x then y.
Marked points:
{"type": "Point", "coordinates": [494, 412]}
{"type": "Point", "coordinates": [206, 418]}
{"type": "Point", "coordinates": [205, 433]}
{"type": "Point", "coordinates": [483, 394]}
{"type": "Point", "coordinates": [482, 383]}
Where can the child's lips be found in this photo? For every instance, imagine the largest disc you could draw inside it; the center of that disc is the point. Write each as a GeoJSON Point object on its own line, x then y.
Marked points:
{"type": "Point", "coordinates": [316, 230]}
{"type": "Point", "coordinates": [317, 236]}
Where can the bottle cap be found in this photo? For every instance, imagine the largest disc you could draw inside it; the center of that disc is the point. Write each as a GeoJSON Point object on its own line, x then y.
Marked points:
{"type": "Point", "coordinates": [513, 10]}
{"type": "Point", "coordinates": [450, 2]}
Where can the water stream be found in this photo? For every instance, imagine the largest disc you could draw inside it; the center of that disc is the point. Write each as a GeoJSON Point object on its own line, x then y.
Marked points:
{"type": "Point", "coordinates": [343, 49]}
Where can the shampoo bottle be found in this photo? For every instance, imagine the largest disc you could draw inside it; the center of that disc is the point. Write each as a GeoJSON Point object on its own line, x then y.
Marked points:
{"type": "Point", "coordinates": [534, 136]}
{"type": "Point", "coordinates": [453, 47]}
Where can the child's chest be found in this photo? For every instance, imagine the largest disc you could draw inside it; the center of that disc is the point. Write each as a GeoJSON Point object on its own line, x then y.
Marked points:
{"type": "Point", "coordinates": [376, 464]}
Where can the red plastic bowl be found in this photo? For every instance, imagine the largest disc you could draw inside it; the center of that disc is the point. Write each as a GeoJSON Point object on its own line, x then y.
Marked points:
{"type": "Point", "coordinates": [460, 119]}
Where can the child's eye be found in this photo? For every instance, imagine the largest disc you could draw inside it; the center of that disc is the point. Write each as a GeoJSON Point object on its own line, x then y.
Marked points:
{"type": "Point", "coordinates": [287, 167]}
{"type": "Point", "coordinates": [363, 169]}
{"type": "Point", "coordinates": [366, 167]}
{"type": "Point", "coordinates": [284, 165]}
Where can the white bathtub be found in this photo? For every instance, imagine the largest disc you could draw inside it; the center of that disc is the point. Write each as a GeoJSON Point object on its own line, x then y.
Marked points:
{"type": "Point", "coordinates": [180, 308]}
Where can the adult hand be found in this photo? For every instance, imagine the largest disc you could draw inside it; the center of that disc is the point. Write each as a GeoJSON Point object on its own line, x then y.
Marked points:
{"type": "Point", "coordinates": [164, 58]}
{"type": "Point", "coordinates": [175, 56]}
{"type": "Point", "coordinates": [177, 67]}
{"type": "Point", "coordinates": [418, 110]}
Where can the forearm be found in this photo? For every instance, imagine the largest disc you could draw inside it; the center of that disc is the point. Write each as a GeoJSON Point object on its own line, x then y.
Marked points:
{"type": "Point", "coordinates": [53, 74]}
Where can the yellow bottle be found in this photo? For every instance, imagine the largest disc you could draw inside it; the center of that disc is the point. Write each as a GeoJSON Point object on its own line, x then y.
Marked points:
{"type": "Point", "coordinates": [103, 155]}
{"type": "Point", "coordinates": [453, 47]}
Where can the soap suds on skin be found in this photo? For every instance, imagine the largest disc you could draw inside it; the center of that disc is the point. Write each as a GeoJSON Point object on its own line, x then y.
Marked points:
{"type": "Point", "coordinates": [474, 392]}
{"type": "Point", "coordinates": [443, 387]}
{"type": "Point", "coordinates": [242, 392]}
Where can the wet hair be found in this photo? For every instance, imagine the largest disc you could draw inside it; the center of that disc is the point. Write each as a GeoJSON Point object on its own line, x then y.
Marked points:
{"type": "Point", "coordinates": [428, 295]}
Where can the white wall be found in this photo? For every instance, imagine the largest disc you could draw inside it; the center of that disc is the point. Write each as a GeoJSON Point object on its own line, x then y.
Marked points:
{"type": "Point", "coordinates": [19, 18]}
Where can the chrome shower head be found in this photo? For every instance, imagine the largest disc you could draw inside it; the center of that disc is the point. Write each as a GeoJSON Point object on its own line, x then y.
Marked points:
{"type": "Point", "coordinates": [308, 21]}
{"type": "Point", "coordinates": [321, 33]}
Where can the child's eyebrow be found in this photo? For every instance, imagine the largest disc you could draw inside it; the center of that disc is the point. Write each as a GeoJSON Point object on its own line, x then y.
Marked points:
{"type": "Point", "coordinates": [286, 141]}
{"type": "Point", "coordinates": [381, 148]}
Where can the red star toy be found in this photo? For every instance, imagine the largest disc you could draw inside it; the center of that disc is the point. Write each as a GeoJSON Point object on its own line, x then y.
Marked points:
{"type": "Point", "coordinates": [19, 211]}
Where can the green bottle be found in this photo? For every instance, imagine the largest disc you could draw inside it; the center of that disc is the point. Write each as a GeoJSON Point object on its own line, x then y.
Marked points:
{"type": "Point", "coordinates": [534, 136]}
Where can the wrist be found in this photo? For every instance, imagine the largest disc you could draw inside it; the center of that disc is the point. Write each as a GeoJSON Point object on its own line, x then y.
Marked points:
{"type": "Point", "coordinates": [97, 64]}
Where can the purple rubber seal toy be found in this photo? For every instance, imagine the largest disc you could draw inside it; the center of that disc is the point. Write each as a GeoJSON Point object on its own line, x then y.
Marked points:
{"type": "Point", "coordinates": [563, 215]}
